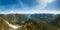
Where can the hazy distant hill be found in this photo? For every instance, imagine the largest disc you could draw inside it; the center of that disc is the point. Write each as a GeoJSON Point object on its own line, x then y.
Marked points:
{"type": "Point", "coordinates": [43, 17]}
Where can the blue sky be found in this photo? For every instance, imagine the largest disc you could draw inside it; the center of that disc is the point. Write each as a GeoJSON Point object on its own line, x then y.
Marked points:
{"type": "Point", "coordinates": [54, 5]}
{"type": "Point", "coordinates": [29, 5]}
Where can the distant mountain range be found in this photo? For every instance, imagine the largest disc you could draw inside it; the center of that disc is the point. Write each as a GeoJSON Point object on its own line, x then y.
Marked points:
{"type": "Point", "coordinates": [14, 18]}
{"type": "Point", "coordinates": [43, 17]}
{"type": "Point", "coordinates": [23, 17]}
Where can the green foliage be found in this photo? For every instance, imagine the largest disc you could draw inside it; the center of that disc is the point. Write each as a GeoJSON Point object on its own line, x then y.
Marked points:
{"type": "Point", "coordinates": [33, 25]}
{"type": "Point", "coordinates": [56, 22]}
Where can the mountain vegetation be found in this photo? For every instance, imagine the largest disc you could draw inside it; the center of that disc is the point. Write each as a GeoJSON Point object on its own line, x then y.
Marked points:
{"type": "Point", "coordinates": [56, 22]}
{"type": "Point", "coordinates": [28, 23]}
{"type": "Point", "coordinates": [3, 24]}
{"type": "Point", "coordinates": [33, 25]}
{"type": "Point", "coordinates": [43, 17]}
{"type": "Point", "coordinates": [14, 18]}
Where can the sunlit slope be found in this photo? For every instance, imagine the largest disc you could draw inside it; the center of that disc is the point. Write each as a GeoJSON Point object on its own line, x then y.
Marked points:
{"type": "Point", "coordinates": [3, 24]}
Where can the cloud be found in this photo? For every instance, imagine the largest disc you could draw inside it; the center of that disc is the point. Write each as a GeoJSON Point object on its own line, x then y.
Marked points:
{"type": "Point", "coordinates": [27, 4]}
{"type": "Point", "coordinates": [38, 9]}
{"type": "Point", "coordinates": [32, 12]}
{"type": "Point", "coordinates": [43, 3]}
{"type": "Point", "coordinates": [22, 5]}
{"type": "Point", "coordinates": [50, 1]}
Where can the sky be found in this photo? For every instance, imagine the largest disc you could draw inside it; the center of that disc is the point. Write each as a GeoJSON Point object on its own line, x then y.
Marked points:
{"type": "Point", "coordinates": [30, 6]}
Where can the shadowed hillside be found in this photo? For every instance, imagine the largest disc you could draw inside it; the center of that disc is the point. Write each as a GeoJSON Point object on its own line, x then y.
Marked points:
{"type": "Point", "coordinates": [56, 22]}
{"type": "Point", "coordinates": [33, 25]}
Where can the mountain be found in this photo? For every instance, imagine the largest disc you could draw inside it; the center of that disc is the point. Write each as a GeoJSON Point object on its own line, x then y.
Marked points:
{"type": "Point", "coordinates": [33, 25]}
{"type": "Point", "coordinates": [56, 22]}
{"type": "Point", "coordinates": [29, 24]}
{"type": "Point", "coordinates": [14, 18]}
{"type": "Point", "coordinates": [43, 17]}
{"type": "Point", "coordinates": [3, 24]}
